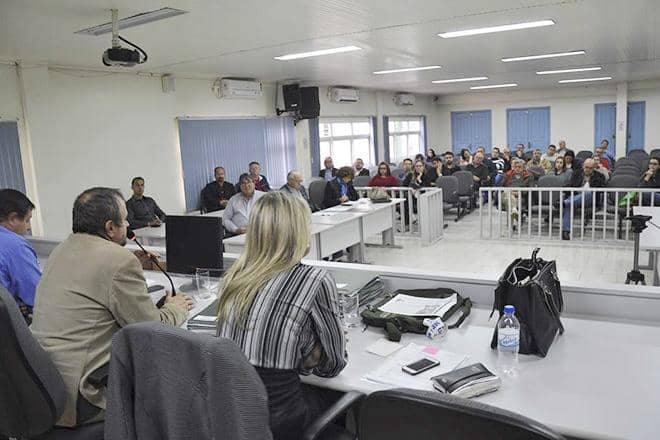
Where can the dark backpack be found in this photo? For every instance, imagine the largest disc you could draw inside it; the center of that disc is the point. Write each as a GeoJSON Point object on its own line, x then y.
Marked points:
{"type": "Point", "coordinates": [532, 286]}
{"type": "Point", "coordinates": [396, 324]}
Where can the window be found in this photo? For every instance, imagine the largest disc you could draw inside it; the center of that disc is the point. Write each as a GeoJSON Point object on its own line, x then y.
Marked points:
{"type": "Point", "coordinates": [346, 139]}
{"type": "Point", "coordinates": [406, 136]}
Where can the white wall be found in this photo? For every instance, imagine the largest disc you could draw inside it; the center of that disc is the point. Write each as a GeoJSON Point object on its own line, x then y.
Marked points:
{"type": "Point", "coordinates": [571, 111]}
{"type": "Point", "coordinates": [9, 97]}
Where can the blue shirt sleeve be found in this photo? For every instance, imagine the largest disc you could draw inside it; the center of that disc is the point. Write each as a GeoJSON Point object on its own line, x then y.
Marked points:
{"type": "Point", "coordinates": [20, 273]}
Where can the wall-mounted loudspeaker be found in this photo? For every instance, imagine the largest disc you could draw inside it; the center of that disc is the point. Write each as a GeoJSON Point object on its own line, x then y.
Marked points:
{"type": "Point", "coordinates": [309, 103]}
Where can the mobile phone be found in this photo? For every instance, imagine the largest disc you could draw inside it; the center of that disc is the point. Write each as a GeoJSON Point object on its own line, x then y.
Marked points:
{"type": "Point", "coordinates": [420, 366]}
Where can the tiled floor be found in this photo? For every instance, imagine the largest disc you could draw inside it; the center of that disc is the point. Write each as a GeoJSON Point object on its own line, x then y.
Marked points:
{"type": "Point", "coordinates": [462, 250]}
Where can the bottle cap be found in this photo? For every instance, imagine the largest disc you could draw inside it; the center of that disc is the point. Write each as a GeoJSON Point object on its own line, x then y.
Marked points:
{"type": "Point", "coordinates": [509, 309]}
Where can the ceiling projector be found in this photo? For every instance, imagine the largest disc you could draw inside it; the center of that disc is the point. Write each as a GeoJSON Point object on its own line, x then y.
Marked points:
{"type": "Point", "coordinates": [119, 56]}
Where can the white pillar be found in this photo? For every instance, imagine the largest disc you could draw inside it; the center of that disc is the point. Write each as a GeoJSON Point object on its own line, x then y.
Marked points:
{"type": "Point", "coordinates": [621, 119]}
{"type": "Point", "coordinates": [303, 152]}
{"type": "Point", "coordinates": [380, 132]}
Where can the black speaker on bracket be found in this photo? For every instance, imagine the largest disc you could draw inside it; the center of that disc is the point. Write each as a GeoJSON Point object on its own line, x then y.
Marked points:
{"type": "Point", "coordinates": [291, 95]}
{"type": "Point", "coordinates": [309, 103]}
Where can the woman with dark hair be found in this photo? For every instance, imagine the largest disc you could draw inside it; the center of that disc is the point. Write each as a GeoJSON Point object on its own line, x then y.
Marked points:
{"type": "Point", "coordinates": [420, 177]}
{"type": "Point", "coordinates": [340, 189]}
{"type": "Point", "coordinates": [466, 157]}
{"type": "Point", "coordinates": [569, 160]}
{"type": "Point", "coordinates": [384, 176]}
{"type": "Point", "coordinates": [430, 155]}
{"type": "Point", "coordinates": [561, 171]}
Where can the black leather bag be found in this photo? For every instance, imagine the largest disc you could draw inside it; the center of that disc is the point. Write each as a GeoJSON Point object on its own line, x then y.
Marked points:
{"type": "Point", "coordinates": [532, 286]}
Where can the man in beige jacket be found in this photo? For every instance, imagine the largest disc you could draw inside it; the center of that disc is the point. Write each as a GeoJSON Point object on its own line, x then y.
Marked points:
{"type": "Point", "coordinates": [91, 287]}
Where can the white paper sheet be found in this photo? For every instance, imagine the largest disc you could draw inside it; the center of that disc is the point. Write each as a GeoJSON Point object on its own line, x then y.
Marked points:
{"type": "Point", "coordinates": [415, 306]}
{"type": "Point", "coordinates": [383, 347]}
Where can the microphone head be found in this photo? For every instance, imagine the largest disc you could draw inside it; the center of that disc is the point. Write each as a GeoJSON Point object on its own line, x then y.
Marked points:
{"type": "Point", "coordinates": [130, 234]}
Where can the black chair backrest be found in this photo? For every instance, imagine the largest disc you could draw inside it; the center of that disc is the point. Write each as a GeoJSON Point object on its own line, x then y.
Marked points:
{"type": "Point", "coordinates": [32, 392]}
{"type": "Point", "coordinates": [584, 154]}
{"type": "Point", "coordinates": [638, 153]}
{"type": "Point", "coordinates": [655, 152]}
{"type": "Point", "coordinates": [361, 181]}
{"type": "Point", "coordinates": [449, 186]}
{"type": "Point", "coordinates": [626, 161]}
{"type": "Point", "coordinates": [317, 191]}
{"type": "Point", "coordinates": [465, 183]}
{"type": "Point", "coordinates": [410, 414]}
{"type": "Point", "coordinates": [623, 181]}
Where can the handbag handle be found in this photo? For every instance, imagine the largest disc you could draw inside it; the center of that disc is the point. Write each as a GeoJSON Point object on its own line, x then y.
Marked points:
{"type": "Point", "coordinates": [534, 256]}
{"type": "Point", "coordinates": [465, 309]}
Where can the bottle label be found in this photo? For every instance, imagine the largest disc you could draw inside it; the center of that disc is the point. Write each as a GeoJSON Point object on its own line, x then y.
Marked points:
{"type": "Point", "coordinates": [508, 337]}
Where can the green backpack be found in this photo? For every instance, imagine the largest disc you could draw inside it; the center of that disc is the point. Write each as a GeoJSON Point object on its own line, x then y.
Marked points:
{"type": "Point", "coordinates": [396, 324]}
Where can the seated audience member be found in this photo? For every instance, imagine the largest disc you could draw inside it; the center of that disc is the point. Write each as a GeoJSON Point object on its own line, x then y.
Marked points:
{"type": "Point", "coordinates": [506, 156]}
{"type": "Point", "coordinates": [436, 168]}
{"type": "Point", "coordinates": [406, 168]}
{"type": "Point", "coordinates": [449, 167]}
{"type": "Point", "coordinates": [430, 155]}
{"type": "Point", "coordinates": [570, 161]}
{"type": "Point", "coordinates": [360, 170]}
{"type": "Point", "coordinates": [328, 172]}
{"type": "Point", "coordinates": [237, 212]}
{"type": "Point", "coordinates": [550, 155]}
{"type": "Point", "coordinates": [604, 162]}
{"type": "Point", "coordinates": [538, 162]}
{"type": "Point", "coordinates": [284, 314]}
{"type": "Point", "coordinates": [465, 157]}
{"type": "Point", "coordinates": [142, 210]}
{"type": "Point", "coordinates": [216, 194]}
{"type": "Point", "coordinates": [420, 177]}
{"type": "Point", "coordinates": [598, 166]}
{"type": "Point", "coordinates": [520, 151]}
{"type": "Point", "coordinates": [498, 166]}
{"type": "Point", "coordinates": [384, 176]}
{"type": "Point", "coordinates": [561, 171]}
{"type": "Point", "coordinates": [480, 174]}
{"type": "Point", "coordinates": [260, 181]}
{"type": "Point", "coordinates": [517, 177]}
{"type": "Point", "coordinates": [19, 266]}
{"type": "Point", "coordinates": [295, 187]}
{"type": "Point", "coordinates": [91, 287]}
{"type": "Point", "coordinates": [562, 148]}
{"type": "Point", "coordinates": [340, 189]}
{"type": "Point", "coordinates": [585, 177]}
{"type": "Point", "coordinates": [651, 179]}
{"type": "Point", "coordinates": [604, 145]}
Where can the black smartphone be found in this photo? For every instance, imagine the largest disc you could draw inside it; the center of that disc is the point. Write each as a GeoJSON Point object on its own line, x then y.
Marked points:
{"type": "Point", "coordinates": [420, 366]}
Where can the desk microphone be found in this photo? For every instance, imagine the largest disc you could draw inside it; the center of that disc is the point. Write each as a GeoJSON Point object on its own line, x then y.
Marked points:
{"type": "Point", "coordinates": [131, 236]}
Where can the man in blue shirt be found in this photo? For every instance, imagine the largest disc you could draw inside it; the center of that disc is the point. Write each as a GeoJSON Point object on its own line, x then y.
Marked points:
{"type": "Point", "coordinates": [19, 267]}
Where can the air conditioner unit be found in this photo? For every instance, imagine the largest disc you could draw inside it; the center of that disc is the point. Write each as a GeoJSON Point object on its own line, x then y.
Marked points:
{"type": "Point", "coordinates": [237, 89]}
{"type": "Point", "coordinates": [340, 94]}
{"type": "Point", "coordinates": [404, 99]}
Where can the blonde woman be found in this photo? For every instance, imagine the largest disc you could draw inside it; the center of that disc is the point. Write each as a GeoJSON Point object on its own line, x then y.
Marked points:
{"type": "Point", "coordinates": [283, 314]}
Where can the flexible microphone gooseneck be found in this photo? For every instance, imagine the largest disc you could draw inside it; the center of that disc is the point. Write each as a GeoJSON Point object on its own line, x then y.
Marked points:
{"type": "Point", "coordinates": [131, 236]}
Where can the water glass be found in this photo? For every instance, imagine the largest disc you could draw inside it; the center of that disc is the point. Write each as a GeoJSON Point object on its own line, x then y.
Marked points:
{"type": "Point", "coordinates": [203, 284]}
{"type": "Point", "coordinates": [349, 304]}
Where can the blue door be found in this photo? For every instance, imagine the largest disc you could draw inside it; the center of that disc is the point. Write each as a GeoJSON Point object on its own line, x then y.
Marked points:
{"type": "Point", "coordinates": [11, 165]}
{"type": "Point", "coordinates": [605, 125]}
{"type": "Point", "coordinates": [528, 126]}
{"type": "Point", "coordinates": [636, 125]}
{"type": "Point", "coordinates": [470, 130]}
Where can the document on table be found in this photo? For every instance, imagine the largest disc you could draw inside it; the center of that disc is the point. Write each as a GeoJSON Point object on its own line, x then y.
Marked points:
{"type": "Point", "coordinates": [415, 306]}
{"type": "Point", "coordinates": [339, 208]}
{"type": "Point", "coordinates": [390, 373]}
{"type": "Point", "coordinates": [330, 218]}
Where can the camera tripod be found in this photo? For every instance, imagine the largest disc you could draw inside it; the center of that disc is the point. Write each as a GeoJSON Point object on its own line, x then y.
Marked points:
{"type": "Point", "coordinates": [638, 225]}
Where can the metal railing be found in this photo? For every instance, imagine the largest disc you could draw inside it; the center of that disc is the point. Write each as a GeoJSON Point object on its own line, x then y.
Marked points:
{"type": "Point", "coordinates": [595, 214]}
{"type": "Point", "coordinates": [428, 223]}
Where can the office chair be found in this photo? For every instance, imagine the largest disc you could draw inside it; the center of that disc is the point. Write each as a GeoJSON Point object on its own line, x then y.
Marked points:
{"type": "Point", "coordinates": [411, 414]}
{"type": "Point", "coordinates": [32, 392]}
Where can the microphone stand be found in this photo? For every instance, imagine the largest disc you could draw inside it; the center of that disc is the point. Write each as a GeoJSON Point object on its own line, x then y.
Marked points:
{"type": "Point", "coordinates": [131, 236]}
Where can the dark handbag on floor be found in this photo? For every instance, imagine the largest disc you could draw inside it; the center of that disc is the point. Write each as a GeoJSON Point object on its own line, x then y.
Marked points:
{"type": "Point", "coordinates": [532, 286]}
{"type": "Point", "coordinates": [396, 324]}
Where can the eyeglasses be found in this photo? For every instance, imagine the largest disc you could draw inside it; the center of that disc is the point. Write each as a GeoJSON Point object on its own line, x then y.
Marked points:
{"type": "Point", "coordinates": [247, 182]}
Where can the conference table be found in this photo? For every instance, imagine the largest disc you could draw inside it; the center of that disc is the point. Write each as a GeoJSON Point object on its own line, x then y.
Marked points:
{"type": "Point", "coordinates": [649, 239]}
{"type": "Point", "coordinates": [151, 236]}
{"type": "Point", "coordinates": [342, 227]}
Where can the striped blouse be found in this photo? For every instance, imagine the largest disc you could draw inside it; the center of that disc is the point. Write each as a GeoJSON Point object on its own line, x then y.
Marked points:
{"type": "Point", "coordinates": [294, 311]}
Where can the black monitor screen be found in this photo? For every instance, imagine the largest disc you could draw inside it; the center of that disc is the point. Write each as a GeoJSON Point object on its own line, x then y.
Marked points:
{"type": "Point", "coordinates": [193, 242]}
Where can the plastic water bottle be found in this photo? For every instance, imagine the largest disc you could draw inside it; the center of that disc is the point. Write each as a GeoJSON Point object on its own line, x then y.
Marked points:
{"type": "Point", "coordinates": [508, 342]}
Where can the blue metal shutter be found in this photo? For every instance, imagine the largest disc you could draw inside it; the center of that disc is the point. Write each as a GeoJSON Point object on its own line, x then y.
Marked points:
{"type": "Point", "coordinates": [11, 165]}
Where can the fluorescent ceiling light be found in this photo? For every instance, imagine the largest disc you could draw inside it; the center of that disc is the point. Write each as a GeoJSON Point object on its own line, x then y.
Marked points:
{"type": "Point", "coordinates": [493, 29]}
{"type": "Point", "coordinates": [408, 69]}
{"type": "Point", "coordinates": [134, 20]}
{"type": "Point", "coordinates": [547, 55]}
{"type": "Point", "coordinates": [495, 86]}
{"type": "Point", "coordinates": [316, 53]}
{"type": "Point", "coordinates": [602, 78]}
{"type": "Point", "coordinates": [457, 80]}
{"type": "Point", "coordinates": [579, 69]}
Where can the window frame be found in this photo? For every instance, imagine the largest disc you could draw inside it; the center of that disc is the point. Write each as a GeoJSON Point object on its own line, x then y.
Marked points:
{"type": "Point", "coordinates": [421, 133]}
{"type": "Point", "coordinates": [368, 162]}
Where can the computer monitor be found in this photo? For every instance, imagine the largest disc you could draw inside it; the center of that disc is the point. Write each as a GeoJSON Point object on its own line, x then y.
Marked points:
{"type": "Point", "coordinates": [194, 242]}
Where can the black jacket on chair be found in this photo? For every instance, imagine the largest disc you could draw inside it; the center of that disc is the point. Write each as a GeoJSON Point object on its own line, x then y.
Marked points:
{"type": "Point", "coordinates": [427, 179]}
{"type": "Point", "coordinates": [332, 194]}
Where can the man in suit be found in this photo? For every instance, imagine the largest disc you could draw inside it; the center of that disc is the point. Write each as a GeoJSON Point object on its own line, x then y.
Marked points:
{"type": "Point", "coordinates": [142, 210]}
{"type": "Point", "coordinates": [329, 172]}
{"type": "Point", "coordinates": [216, 194]}
{"type": "Point", "coordinates": [584, 177]}
{"type": "Point", "coordinates": [360, 170]}
{"type": "Point", "coordinates": [295, 187]}
{"type": "Point", "coordinates": [91, 287]}
{"type": "Point", "coordinates": [340, 189]}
